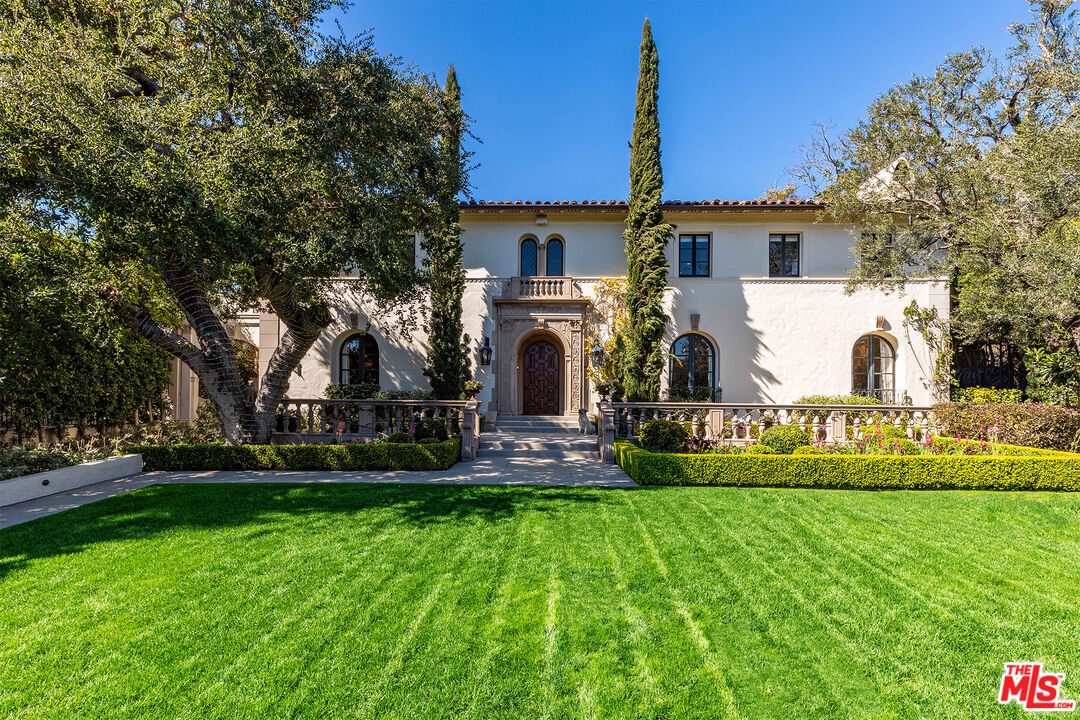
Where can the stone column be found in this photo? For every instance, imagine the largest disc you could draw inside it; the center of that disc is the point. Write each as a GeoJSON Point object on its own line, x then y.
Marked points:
{"type": "Point", "coordinates": [470, 431]}
{"type": "Point", "coordinates": [606, 432]}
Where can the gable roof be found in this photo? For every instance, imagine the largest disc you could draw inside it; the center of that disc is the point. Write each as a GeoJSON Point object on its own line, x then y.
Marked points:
{"type": "Point", "coordinates": [621, 205]}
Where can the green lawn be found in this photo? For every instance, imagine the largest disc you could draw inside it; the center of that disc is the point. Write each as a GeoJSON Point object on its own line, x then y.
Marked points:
{"type": "Point", "coordinates": [278, 601]}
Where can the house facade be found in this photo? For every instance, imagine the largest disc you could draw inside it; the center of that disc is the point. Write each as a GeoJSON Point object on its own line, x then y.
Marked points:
{"type": "Point", "coordinates": [756, 300]}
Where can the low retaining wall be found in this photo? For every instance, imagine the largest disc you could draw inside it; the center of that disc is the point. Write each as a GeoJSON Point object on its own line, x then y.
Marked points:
{"type": "Point", "coordinates": [29, 487]}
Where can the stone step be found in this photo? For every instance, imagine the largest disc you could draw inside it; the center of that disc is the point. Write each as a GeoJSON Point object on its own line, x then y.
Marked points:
{"type": "Point", "coordinates": [561, 434]}
{"type": "Point", "coordinates": [535, 425]}
{"type": "Point", "coordinates": [528, 444]}
{"type": "Point", "coordinates": [544, 419]}
{"type": "Point", "coordinates": [540, 454]}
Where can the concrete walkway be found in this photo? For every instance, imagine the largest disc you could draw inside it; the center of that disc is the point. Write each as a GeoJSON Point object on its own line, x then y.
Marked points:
{"type": "Point", "coordinates": [520, 469]}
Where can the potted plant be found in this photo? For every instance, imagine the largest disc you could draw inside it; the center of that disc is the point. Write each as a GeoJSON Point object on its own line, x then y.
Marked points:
{"type": "Point", "coordinates": [604, 389]}
{"type": "Point", "coordinates": [473, 388]}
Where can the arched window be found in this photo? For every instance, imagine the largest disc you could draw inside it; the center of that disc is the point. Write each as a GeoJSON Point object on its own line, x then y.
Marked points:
{"type": "Point", "coordinates": [359, 360]}
{"type": "Point", "coordinates": [873, 368]}
{"type": "Point", "coordinates": [528, 257]}
{"type": "Point", "coordinates": [693, 366]}
{"type": "Point", "coordinates": [554, 257]}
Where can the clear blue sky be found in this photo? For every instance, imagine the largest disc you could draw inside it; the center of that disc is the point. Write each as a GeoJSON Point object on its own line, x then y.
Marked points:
{"type": "Point", "coordinates": [550, 86]}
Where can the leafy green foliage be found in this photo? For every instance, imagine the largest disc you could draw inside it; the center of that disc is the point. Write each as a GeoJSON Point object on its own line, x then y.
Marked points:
{"type": "Point", "coordinates": [953, 446]}
{"type": "Point", "coordinates": [372, 391]}
{"type": "Point", "coordinates": [449, 361]}
{"type": "Point", "coordinates": [865, 472]}
{"type": "Point", "coordinates": [784, 438]}
{"type": "Point", "coordinates": [1052, 376]}
{"type": "Point", "coordinates": [400, 437]}
{"type": "Point", "coordinates": [63, 359]}
{"type": "Point", "coordinates": [979, 157]}
{"type": "Point", "coordinates": [646, 236]}
{"type": "Point", "coordinates": [987, 395]}
{"type": "Point", "coordinates": [355, 456]}
{"type": "Point", "coordinates": [431, 428]}
{"type": "Point", "coordinates": [18, 461]}
{"type": "Point", "coordinates": [837, 400]}
{"type": "Point", "coordinates": [1031, 424]}
{"type": "Point", "coordinates": [221, 157]}
{"type": "Point", "coordinates": [664, 435]}
{"type": "Point", "coordinates": [689, 394]}
{"type": "Point", "coordinates": [878, 432]}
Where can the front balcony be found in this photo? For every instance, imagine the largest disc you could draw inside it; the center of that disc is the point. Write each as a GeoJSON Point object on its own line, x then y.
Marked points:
{"type": "Point", "coordinates": [542, 288]}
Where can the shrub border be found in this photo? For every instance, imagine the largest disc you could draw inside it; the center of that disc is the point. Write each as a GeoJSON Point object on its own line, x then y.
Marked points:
{"type": "Point", "coordinates": [352, 456]}
{"type": "Point", "coordinates": [866, 472]}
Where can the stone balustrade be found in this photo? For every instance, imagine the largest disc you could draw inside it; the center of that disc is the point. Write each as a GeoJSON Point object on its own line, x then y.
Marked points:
{"type": "Point", "coordinates": [741, 423]}
{"type": "Point", "coordinates": [317, 420]}
{"type": "Point", "coordinates": [541, 288]}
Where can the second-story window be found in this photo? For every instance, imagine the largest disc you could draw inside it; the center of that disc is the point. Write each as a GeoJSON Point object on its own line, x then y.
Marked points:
{"type": "Point", "coordinates": [553, 258]}
{"type": "Point", "coordinates": [693, 256]}
{"type": "Point", "coordinates": [784, 255]}
{"type": "Point", "coordinates": [528, 257]}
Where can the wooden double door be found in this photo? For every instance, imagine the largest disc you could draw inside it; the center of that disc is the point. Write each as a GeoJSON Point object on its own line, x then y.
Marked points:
{"type": "Point", "coordinates": [541, 379]}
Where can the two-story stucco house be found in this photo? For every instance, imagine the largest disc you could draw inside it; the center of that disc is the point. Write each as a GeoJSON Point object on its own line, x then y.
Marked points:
{"type": "Point", "coordinates": [756, 298]}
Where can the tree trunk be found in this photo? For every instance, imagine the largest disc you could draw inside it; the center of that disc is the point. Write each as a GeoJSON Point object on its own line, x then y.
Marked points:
{"type": "Point", "coordinates": [244, 418]}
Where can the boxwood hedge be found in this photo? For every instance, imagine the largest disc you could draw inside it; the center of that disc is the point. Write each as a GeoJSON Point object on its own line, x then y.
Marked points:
{"type": "Point", "coordinates": [353, 456]}
{"type": "Point", "coordinates": [867, 472]}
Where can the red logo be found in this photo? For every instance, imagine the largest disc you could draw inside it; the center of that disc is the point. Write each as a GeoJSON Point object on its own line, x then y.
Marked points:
{"type": "Point", "coordinates": [1032, 689]}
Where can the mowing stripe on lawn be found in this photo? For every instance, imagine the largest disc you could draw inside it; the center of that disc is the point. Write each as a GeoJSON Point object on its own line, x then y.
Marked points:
{"type": "Point", "coordinates": [801, 647]}
{"type": "Point", "coordinates": [707, 655]}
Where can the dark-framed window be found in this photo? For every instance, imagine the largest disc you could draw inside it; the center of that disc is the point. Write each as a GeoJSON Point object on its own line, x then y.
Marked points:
{"type": "Point", "coordinates": [528, 257]}
{"type": "Point", "coordinates": [694, 255]}
{"type": "Point", "coordinates": [873, 368]}
{"type": "Point", "coordinates": [784, 255]}
{"type": "Point", "coordinates": [693, 363]}
{"type": "Point", "coordinates": [553, 264]}
{"type": "Point", "coordinates": [358, 360]}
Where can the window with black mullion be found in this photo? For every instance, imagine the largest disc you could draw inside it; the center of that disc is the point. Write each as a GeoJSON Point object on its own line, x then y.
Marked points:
{"type": "Point", "coordinates": [693, 256]}
{"type": "Point", "coordinates": [784, 255]}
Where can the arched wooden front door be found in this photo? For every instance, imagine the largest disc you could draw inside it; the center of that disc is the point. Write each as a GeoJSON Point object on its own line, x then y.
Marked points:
{"type": "Point", "coordinates": [540, 379]}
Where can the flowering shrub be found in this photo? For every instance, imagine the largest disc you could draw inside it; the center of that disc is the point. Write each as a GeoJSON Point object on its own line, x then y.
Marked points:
{"type": "Point", "coordinates": [1031, 424]}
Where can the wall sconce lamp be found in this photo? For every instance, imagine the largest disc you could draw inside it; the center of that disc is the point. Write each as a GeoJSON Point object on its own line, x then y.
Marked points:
{"type": "Point", "coordinates": [485, 352]}
{"type": "Point", "coordinates": [596, 355]}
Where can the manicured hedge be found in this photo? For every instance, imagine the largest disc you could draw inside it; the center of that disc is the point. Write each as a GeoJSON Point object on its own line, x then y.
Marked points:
{"type": "Point", "coordinates": [353, 456]}
{"type": "Point", "coordinates": [867, 472]}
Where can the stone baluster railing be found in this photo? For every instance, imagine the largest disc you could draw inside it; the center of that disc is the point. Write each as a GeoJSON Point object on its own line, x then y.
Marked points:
{"type": "Point", "coordinates": [317, 420]}
{"type": "Point", "coordinates": [742, 423]}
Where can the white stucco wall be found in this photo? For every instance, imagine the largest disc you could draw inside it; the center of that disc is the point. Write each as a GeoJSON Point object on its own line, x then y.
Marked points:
{"type": "Point", "coordinates": [776, 339]}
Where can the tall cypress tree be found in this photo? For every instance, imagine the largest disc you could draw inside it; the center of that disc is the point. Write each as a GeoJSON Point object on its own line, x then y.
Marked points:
{"type": "Point", "coordinates": [448, 362]}
{"type": "Point", "coordinates": [646, 236]}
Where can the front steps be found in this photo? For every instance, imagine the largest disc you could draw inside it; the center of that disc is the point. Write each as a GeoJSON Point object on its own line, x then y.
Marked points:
{"type": "Point", "coordinates": [538, 438]}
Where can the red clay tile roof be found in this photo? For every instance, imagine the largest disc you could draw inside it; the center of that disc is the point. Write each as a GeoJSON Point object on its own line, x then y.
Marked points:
{"type": "Point", "coordinates": [622, 204]}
